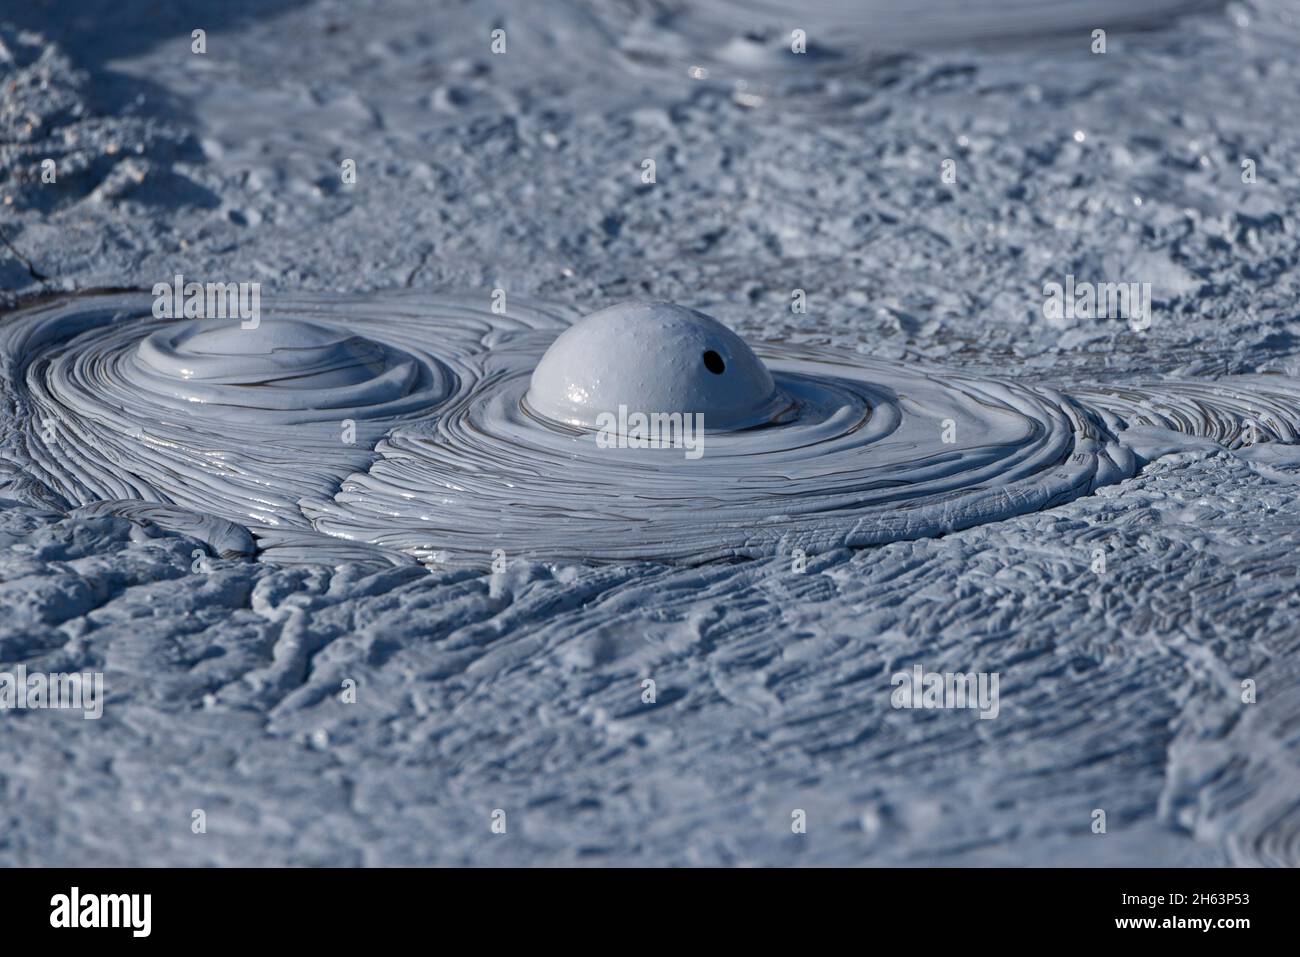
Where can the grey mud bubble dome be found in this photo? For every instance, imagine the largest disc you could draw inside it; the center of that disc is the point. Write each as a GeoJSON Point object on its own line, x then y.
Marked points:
{"type": "Point", "coordinates": [653, 356]}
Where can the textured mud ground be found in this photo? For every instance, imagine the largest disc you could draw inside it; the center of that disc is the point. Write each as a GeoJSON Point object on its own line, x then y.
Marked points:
{"type": "Point", "coordinates": [522, 691]}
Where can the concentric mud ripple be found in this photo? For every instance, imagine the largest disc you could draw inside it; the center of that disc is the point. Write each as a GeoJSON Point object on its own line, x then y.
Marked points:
{"type": "Point", "coordinates": [1242, 410]}
{"type": "Point", "coordinates": [862, 461]}
{"type": "Point", "coordinates": [113, 404]}
{"type": "Point", "coordinates": [397, 425]}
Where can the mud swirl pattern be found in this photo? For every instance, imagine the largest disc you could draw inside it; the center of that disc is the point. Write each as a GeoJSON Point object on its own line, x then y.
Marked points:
{"type": "Point", "coordinates": [862, 461]}
{"type": "Point", "coordinates": [242, 423]}
{"type": "Point", "coordinates": [404, 426]}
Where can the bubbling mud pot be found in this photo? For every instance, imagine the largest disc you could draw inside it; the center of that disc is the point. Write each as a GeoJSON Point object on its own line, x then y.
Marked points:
{"type": "Point", "coordinates": [399, 427]}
